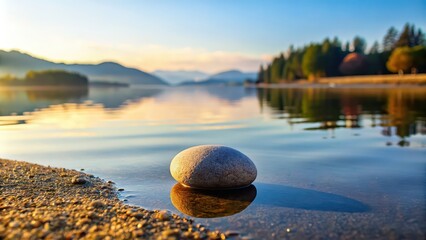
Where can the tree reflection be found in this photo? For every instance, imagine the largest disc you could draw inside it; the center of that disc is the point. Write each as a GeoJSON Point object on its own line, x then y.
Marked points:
{"type": "Point", "coordinates": [400, 110]}
{"type": "Point", "coordinates": [17, 101]}
{"type": "Point", "coordinates": [57, 94]}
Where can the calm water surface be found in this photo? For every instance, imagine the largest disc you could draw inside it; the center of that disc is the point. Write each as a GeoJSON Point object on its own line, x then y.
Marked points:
{"type": "Point", "coordinates": [331, 162]}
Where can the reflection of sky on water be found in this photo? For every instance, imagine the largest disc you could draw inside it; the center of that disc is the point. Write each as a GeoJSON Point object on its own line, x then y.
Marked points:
{"type": "Point", "coordinates": [124, 104]}
{"type": "Point", "coordinates": [398, 111]}
{"type": "Point", "coordinates": [317, 151]}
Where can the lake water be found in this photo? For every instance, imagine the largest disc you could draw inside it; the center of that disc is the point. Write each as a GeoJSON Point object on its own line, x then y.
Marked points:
{"type": "Point", "coordinates": [332, 163]}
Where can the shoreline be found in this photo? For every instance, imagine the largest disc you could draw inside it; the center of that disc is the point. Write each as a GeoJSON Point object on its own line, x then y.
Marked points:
{"type": "Point", "coordinates": [56, 203]}
{"type": "Point", "coordinates": [338, 86]}
{"type": "Point", "coordinates": [363, 81]}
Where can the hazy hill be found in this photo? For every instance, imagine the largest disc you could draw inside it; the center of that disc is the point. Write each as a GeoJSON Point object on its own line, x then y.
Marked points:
{"type": "Point", "coordinates": [18, 64]}
{"type": "Point", "coordinates": [176, 77]}
{"type": "Point", "coordinates": [232, 77]}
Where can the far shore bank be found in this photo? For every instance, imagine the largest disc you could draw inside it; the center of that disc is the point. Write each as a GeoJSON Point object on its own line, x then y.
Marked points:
{"type": "Point", "coordinates": [38, 202]}
{"type": "Point", "coordinates": [364, 81]}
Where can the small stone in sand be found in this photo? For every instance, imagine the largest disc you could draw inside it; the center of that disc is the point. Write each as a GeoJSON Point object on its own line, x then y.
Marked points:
{"type": "Point", "coordinates": [79, 180]}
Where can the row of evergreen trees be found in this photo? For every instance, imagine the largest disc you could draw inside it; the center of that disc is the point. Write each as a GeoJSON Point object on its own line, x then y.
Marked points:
{"type": "Point", "coordinates": [332, 58]}
{"type": "Point", "coordinates": [46, 78]}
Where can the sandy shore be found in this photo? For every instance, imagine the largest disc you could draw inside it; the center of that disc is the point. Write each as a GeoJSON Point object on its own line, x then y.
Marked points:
{"type": "Point", "coordinates": [338, 86]}
{"type": "Point", "coordinates": [416, 79]}
{"type": "Point", "coordinates": [38, 202]}
{"type": "Point", "coordinates": [363, 81]}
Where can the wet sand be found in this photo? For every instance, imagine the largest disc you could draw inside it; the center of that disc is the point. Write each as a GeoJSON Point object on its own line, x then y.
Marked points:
{"type": "Point", "coordinates": [38, 202]}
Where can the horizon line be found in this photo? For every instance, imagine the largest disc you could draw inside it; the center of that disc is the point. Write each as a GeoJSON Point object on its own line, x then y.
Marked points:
{"type": "Point", "coordinates": [98, 62]}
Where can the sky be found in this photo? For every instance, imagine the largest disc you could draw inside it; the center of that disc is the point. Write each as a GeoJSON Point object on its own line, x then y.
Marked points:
{"type": "Point", "coordinates": [206, 35]}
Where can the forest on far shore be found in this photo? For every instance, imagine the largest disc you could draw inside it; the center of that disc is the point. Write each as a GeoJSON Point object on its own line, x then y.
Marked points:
{"type": "Point", "coordinates": [46, 78]}
{"type": "Point", "coordinates": [400, 52]}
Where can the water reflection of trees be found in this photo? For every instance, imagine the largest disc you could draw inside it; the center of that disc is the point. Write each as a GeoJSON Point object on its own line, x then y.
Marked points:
{"type": "Point", "coordinates": [17, 101]}
{"type": "Point", "coordinates": [400, 112]}
{"type": "Point", "coordinates": [61, 94]}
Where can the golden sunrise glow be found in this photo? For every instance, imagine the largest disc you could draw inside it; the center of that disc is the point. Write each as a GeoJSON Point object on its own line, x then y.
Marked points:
{"type": "Point", "coordinates": [179, 110]}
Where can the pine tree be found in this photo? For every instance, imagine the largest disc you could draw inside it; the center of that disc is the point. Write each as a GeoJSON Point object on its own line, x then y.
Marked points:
{"type": "Point", "coordinates": [293, 67]}
{"type": "Point", "coordinates": [260, 75]}
{"type": "Point", "coordinates": [267, 75]}
{"type": "Point", "coordinates": [332, 56]}
{"type": "Point", "coordinates": [410, 37]}
{"type": "Point", "coordinates": [312, 65]}
{"type": "Point", "coordinates": [419, 38]}
{"type": "Point", "coordinates": [346, 48]}
{"type": "Point", "coordinates": [390, 39]}
{"type": "Point", "coordinates": [375, 48]}
{"type": "Point", "coordinates": [359, 45]}
{"type": "Point", "coordinates": [404, 38]}
{"type": "Point", "coordinates": [277, 68]}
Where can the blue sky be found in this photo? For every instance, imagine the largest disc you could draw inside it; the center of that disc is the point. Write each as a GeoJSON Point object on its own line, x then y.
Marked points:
{"type": "Point", "coordinates": [208, 35]}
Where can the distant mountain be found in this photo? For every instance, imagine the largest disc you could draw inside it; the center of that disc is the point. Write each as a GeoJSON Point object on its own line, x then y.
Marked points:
{"type": "Point", "coordinates": [176, 77]}
{"type": "Point", "coordinates": [232, 77]}
{"type": "Point", "coordinates": [204, 83]}
{"type": "Point", "coordinates": [18, 64]}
